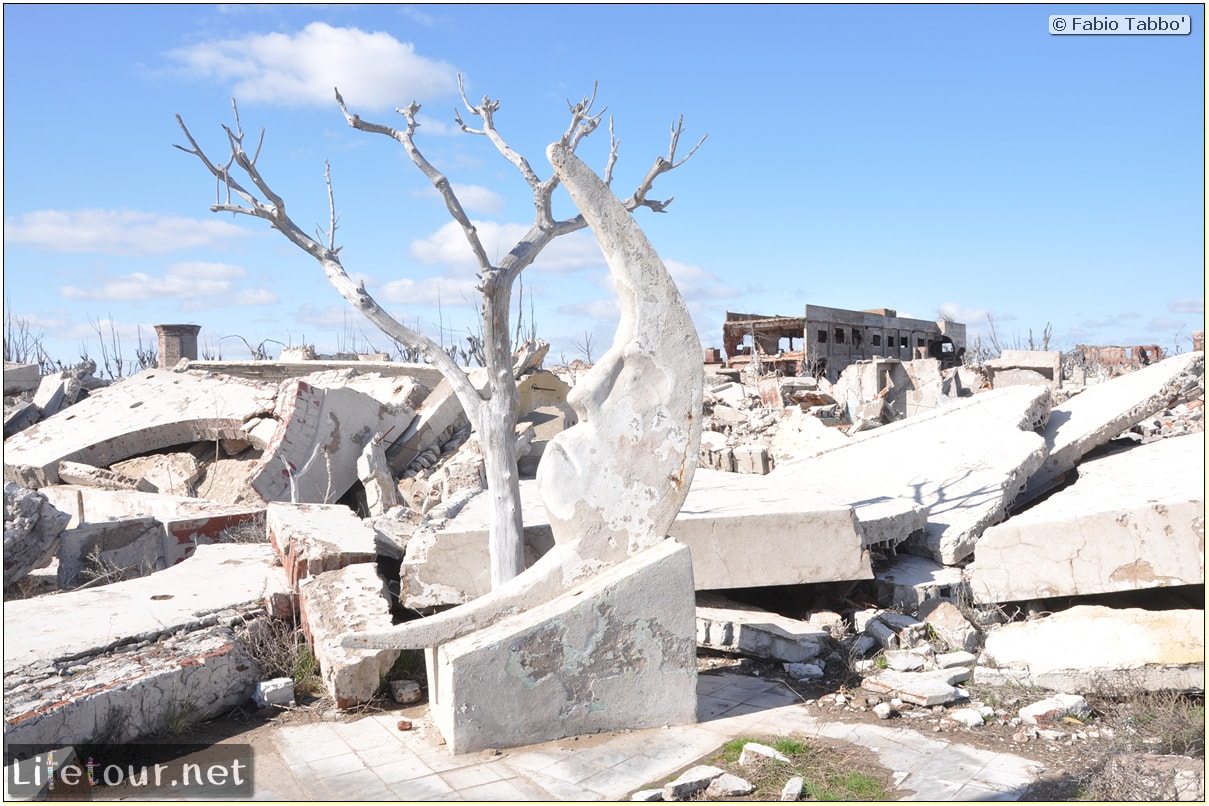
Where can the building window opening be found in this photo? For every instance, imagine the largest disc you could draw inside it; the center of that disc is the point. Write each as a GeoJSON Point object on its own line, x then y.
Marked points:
{"type": "Point", "coordinates": [857, 337]}
{"type": "Point", "coordinates": [839, 335]}
{"type": "Point", "coordinates": [877, 340]}
{"type": "Point", "coordinates": [902, 342]}
{"type": "Point", "coordinates": [822, 339]}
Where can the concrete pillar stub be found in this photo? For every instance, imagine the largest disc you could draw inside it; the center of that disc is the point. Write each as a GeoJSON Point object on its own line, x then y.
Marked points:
{"type": "Point", "coordinates": [177, 342]}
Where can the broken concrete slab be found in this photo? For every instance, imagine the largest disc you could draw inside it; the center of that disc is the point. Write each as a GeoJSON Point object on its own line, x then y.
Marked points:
{"type": "Point", "coordinates": [616, 652]}
{"type": "Point", "coordinates": [170, 473]}
{"type": "Point", "coordinates": [1071, 650]}
{"type": "Point", "coordinates": [139, 690]}
{"type": "Point", "coordinates": [800, 434]}
{"type": "Point", "coordinates": [935, 687]}
{"type": "Point", "coordinates": [147, 412]}
{"type": "Point", "coordinates": [747, 630]}
{"type": "Point", "coordinates": [1093, 417]}
{"type": "Point", "coordinates": [101, 478]}
{"type": "Point", "coordinates": [32, 526]}
{"type": "Point", "coordinates": [216, 579]}
{"type": "Point", "coordinates": [969, 461]}
{"type": "Point", "coordinates": [741, 535]}
{"type": "Point", "coordinates": [313, 538]}
{"type": "Point", "coordinates": [436, 419]}
{"type": "Point", "coordinates": [274, 372]}
{"type": "Point", "coordinates": [1132, 520]}
{"type": "Point", "coordinates": [352, 598]}
{"type": "Point", "coordinates": [951, 627]}
{"type": "Point", "coordinates": [325, 422]}
{"type": "Point", "coordinates": [125, 548]}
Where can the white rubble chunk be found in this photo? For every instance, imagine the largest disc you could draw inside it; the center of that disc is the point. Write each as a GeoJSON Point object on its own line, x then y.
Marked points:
{"type": "Point", "coordinates": [690, 782]}
{"type": "Point", "coordinates": [950, 624]}
{"type": "Point", "coordinates": [1051, 709]}
{"type": "Point", "coordinates": [753, 752]}
{"type": "Point", "coordinates": [729, 786]}
{"type": "Point", "coordinates": [970, 717]}
{"type": "Point", "coordinates": [804, 671]}
{"type": "Point", "coordinates": [278, 691]}
{"type": "Point", "coordinates": [32, 526]}
{"type": "Point", "coordinates": [647, 796]}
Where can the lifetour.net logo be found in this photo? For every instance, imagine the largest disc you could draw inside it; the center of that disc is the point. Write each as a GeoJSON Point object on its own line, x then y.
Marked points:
{"type": "Point", "coordinates": [128, 771]}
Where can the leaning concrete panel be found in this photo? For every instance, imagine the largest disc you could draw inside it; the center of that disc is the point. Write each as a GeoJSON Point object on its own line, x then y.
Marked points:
{"type": "Point", "coordinates": [615, 653]}
{"type": "Point", "coordinates": [1132, 520]}
{"type": "Point", "coordinates": [216, 578]}
{"type": "Point", "coordinates": [1096, 415]}
{"type": "Point", "coordinates": [964, 462]}
{"type": "Point", "coordinates": [153, 410]}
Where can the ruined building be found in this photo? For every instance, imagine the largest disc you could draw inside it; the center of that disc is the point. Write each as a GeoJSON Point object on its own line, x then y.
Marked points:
{"type": "Point", "coordinates": [826, 340]}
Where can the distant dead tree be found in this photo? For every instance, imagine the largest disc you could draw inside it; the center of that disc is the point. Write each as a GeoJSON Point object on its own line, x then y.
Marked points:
{"type": "Point", "coordinates": [493, 411]}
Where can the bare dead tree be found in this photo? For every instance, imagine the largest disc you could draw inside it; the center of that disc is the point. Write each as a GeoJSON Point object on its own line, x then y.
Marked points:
{"type": "Point", "coordinates": [585, 347]}
{"type": "Point", "coordinates": [493, 411]}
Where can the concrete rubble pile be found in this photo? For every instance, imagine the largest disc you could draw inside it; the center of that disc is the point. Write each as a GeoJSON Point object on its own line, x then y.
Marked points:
{"type": "Point", "coordinates": [957, 499]}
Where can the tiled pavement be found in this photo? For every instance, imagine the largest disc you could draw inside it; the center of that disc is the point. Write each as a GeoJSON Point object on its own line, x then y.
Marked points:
{"type": "Point", "coordinates": [370, 759]}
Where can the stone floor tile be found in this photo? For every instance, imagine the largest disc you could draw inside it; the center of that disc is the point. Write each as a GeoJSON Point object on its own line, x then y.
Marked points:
{"type": "Point", "coordinates": [430, 787]}
{"type": "Point", "coordinates": [614, 785]}
{"type": "Point", "coordinates": [475, 775]}
{"type": "Point", "coordinates": [325, 768]}
{"type": "Point", "coordinates": [358, 786]}
{"type": "Point", "coordinates": [310, 742]}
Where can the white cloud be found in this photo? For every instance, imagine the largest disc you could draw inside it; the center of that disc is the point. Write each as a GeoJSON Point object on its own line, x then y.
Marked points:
{"type": "Point", "coordinates": [448, 247]}
{"type": "Point", "coordinates": [197, 285]}
{"type": "Point", "coordinates": [373, 70]}
{"type": "Point", "coordinates": [696, 283]}
{"type": "Point", "coordinates": [1186, 305]}
{"type": "Point", "coordinates": [597, 309]}
{"type": "Point", "coordinates": [1161, 324]}
{"type": "Point", "coordinates": [117, 232]}
{"type": "Point", "coordinates": [963, 314]}
{"type": "Point", "coordinates": [472, 197]}
{"type": "Point", "coordinates": [444, 291]}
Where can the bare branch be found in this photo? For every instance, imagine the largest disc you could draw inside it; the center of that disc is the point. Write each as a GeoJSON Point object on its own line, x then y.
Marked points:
{"type": "Point", "coordinates": [438, 179]}
{"type": "Point", "coordinates": [329, 259]}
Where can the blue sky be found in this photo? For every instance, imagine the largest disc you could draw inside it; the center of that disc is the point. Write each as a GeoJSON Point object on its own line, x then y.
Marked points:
{"type": "Point", "coordinates": [955, 159]}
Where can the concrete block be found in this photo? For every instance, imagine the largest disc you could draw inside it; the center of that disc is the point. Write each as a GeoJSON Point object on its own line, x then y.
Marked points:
{"type": "Point", "coordinates": [747, 630]}
{"type": "Point", "coordinates": [1070, 649]}
{"type": "Point", "coordinates": [752, 459]}
{"type": "Point", "coordinates": [374, 473]}
{"type": "Point", "coordinates": [353, 598]}
{"type": "Point", "coordinates": [907, 581]}
{"type": "Point", "coordinates": [20, 378]}
{"type": "Point", "coordinates": [20, 417]}
{"type": "Point", "coordinates": [170, 473]}
{"type": "Point", "coordinates": [140, 691]}
{"type": "Point", "coordinates": [1051, 709]}
{"type": "Point", "coordinates": [1132, 520]}
{"type": "Point", "coordinates": [616, 652]}
{"type": "Point", "coordinates": [729, 786]}
{"type": "Point", "coordinates": [754, 752]}
{"type": "Point", "coordinates": [439, 415]}
{"type": "Point", "coordinates": [949, 625]}
{"type": "Point", "coordinates": [1025, 367]}
{"type": "Point", "coordinates": [1101, 412]}
{"type": "Point", "coordinates": [313, 538]}
{"type": "Point", "coordinates": [147, 412]}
